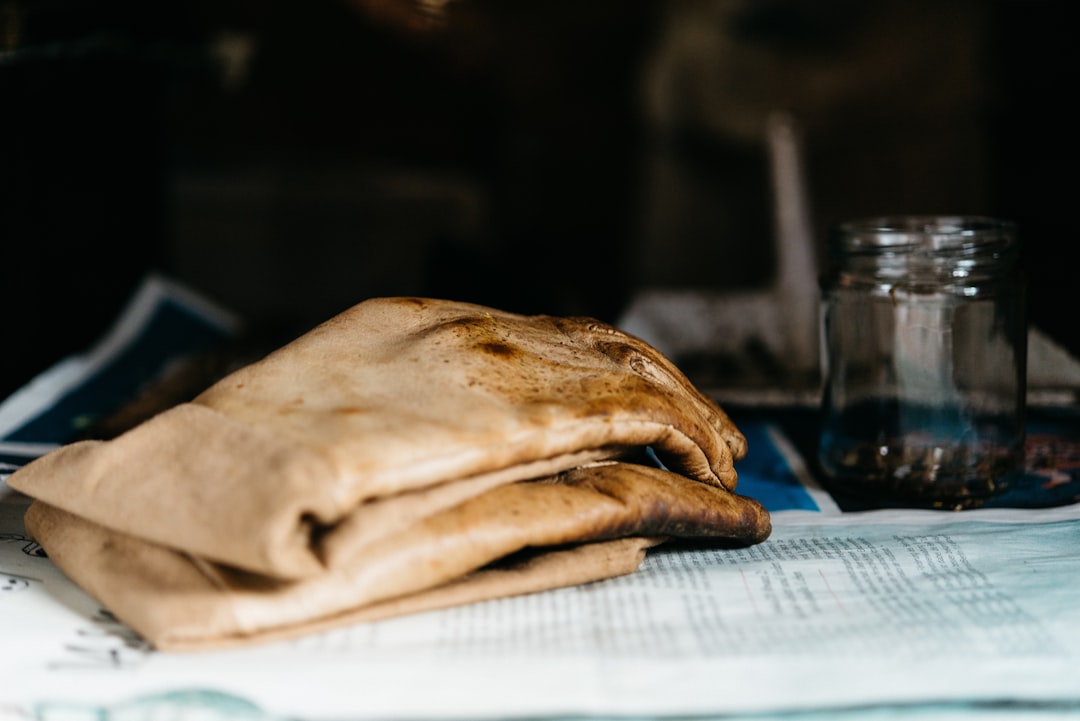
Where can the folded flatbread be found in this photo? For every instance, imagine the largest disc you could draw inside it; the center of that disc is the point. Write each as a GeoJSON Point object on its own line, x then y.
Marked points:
{"type": "Point", "coordinates": [407, 454]}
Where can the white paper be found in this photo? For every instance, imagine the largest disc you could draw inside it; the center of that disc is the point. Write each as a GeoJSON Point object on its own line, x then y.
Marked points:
{"type": "Point", "coordinates": [890, 609]}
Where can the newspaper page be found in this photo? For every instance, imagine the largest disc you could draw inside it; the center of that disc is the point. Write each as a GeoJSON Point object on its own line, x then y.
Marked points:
{"type": "Point", "coordinates": [825, 615]}
{"type": "Point", "coordinates": [838, 613]}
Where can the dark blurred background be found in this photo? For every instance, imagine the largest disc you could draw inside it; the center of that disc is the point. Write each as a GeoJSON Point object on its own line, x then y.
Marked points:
{"type": "Point", "coordinates": [289, 159]}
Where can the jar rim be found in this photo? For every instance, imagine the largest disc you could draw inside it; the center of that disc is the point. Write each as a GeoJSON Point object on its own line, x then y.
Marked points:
{"type": "Point", "coordinates": [906, 233]}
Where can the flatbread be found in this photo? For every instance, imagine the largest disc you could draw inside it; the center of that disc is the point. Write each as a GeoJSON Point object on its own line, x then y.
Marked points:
{"type": "Point", "coordinates": [582, 525]}
{"type": "Point", "coordinates": [314, 465]}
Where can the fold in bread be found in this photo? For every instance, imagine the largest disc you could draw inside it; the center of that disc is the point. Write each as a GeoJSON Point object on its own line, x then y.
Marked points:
{"type": "Point", "coordinates": [382, 460]}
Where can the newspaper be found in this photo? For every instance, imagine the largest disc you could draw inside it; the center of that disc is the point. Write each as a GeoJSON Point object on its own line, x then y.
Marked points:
{"type": "Point", "coordinates": [839, 614]}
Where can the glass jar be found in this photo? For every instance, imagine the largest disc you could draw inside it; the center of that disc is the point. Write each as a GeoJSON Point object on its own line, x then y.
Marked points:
{"type": "Point", "coordinates": [924, 353]}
